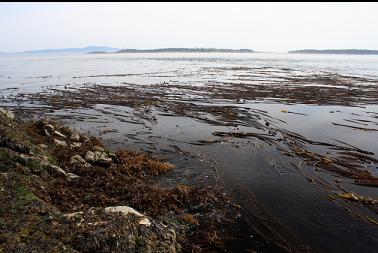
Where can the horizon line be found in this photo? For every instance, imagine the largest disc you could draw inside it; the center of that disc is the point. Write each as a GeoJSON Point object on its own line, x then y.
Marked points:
{"type": "Point", "coordinates": [160, 48]}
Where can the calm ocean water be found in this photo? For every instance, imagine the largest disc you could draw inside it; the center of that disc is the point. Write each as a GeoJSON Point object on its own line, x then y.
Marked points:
{"type": "Point", "coordinates": [29, 72]}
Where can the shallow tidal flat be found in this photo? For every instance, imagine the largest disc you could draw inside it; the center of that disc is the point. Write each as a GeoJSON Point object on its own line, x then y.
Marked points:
{"type": "Point", "coordinates": [295, 149]}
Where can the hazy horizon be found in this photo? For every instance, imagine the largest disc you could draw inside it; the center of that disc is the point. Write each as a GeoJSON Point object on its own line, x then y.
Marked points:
{"type": "Point", "coordinates": [110, 47]}
{"type": "Point", "coordinates": [263, 27]}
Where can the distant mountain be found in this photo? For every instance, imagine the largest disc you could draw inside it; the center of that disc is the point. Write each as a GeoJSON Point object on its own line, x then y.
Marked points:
{"type": "Point", "coordinates": [186, 50]}
{"type": "Point", "coordinates": [335, 51]}
{"type": "Point", "coordinates": [71, 50]}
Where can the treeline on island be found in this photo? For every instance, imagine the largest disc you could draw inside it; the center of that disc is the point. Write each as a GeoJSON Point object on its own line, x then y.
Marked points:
{"type": "Point", "coordinates": [179, 50]}
{"type": "Point", "coordinates": [335, 51]}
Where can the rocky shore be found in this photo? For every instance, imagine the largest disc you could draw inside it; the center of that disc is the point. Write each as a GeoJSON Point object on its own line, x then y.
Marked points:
{"type": "Point", "coordinates": [63, 191]}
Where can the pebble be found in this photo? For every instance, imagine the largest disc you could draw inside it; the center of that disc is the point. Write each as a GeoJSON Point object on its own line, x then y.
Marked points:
{"type": "Point", "coordinates": [75, 137]}
{"type": "Point", "coordinates": [49, 127]}
{"type": "Point", "coordinates": [72, 215]}
{"type": "Point", "coordinates": [59, 134]}
{"type": "Point", "coordinates": [42, 145]}
{"type": "Point", "coordinates": [60, 143]}
{"type": "Point", "coordinates": [72, 176]}
{"type": "Point", "coordinates": [57, 169]}
{"type": "Point", "coordinates": [47, 132]}
{"type": "Point", "coordinates": [75, 145]}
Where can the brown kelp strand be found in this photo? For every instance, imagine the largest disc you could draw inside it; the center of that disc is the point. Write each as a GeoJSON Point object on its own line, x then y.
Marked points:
{"type": "Point", "coordinates": [355, 127]}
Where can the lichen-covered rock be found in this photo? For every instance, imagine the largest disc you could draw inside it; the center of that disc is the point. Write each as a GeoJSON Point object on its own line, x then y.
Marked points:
{"type": "Point", "coordinates": [126, 210]}
{"type": "Point", "coordinates": [98, 157]}
{"type": "Point", "coordinates": [7, 113]}
{"type": "Point", "coordinates": [90, 157]}
{"type": "Point", "coordinates": [77, 160]}
{"type": "Point", "coordinates": [75, 137]}
{"type": "Point", "coordinates": [103, 158]}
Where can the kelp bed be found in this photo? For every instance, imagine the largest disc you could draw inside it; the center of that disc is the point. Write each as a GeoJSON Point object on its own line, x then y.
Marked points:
{"type": "Point", "coordinates": [224, 104]}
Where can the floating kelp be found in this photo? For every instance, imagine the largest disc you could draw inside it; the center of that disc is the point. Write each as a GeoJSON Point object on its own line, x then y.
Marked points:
{"type": "Point", "coordinates": [349, 161]}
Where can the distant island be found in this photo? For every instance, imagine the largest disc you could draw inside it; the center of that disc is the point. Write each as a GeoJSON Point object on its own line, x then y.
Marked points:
{"type": "Point", "coordinates": [80, 50]}
{"type": "Point", "coordinates": [335, 51]}
{"type": "Point", "coordinates": [107, 50]}
{"type": "Point", "coordinates": [179, 50]}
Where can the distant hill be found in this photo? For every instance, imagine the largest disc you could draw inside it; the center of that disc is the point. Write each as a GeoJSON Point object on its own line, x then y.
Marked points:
{"type": "Point", "coordinates": [71, 50]}
{"type": "Point", "coordinates": [98, 52]}
{"type": "Point", "coordinates": [186, 50]}
{"type": "Point", "coordinates": [335, 51]}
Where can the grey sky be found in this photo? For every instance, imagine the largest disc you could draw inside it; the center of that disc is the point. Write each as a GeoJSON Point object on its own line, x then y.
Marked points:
{"type": "Point", "coordinates": [259, 26]}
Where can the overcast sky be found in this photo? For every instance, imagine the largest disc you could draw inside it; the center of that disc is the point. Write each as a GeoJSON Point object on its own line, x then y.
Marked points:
{"type": "Point", "coordinates": [258, 26]}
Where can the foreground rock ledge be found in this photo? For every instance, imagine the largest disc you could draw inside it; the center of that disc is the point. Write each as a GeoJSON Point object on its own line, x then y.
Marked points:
{"type": "Point", "coordinates": [84, 198]}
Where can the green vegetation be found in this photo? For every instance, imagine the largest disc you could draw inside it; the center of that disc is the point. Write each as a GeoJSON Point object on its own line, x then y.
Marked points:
{"type": "Point", "coordinates": [24, 194]}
